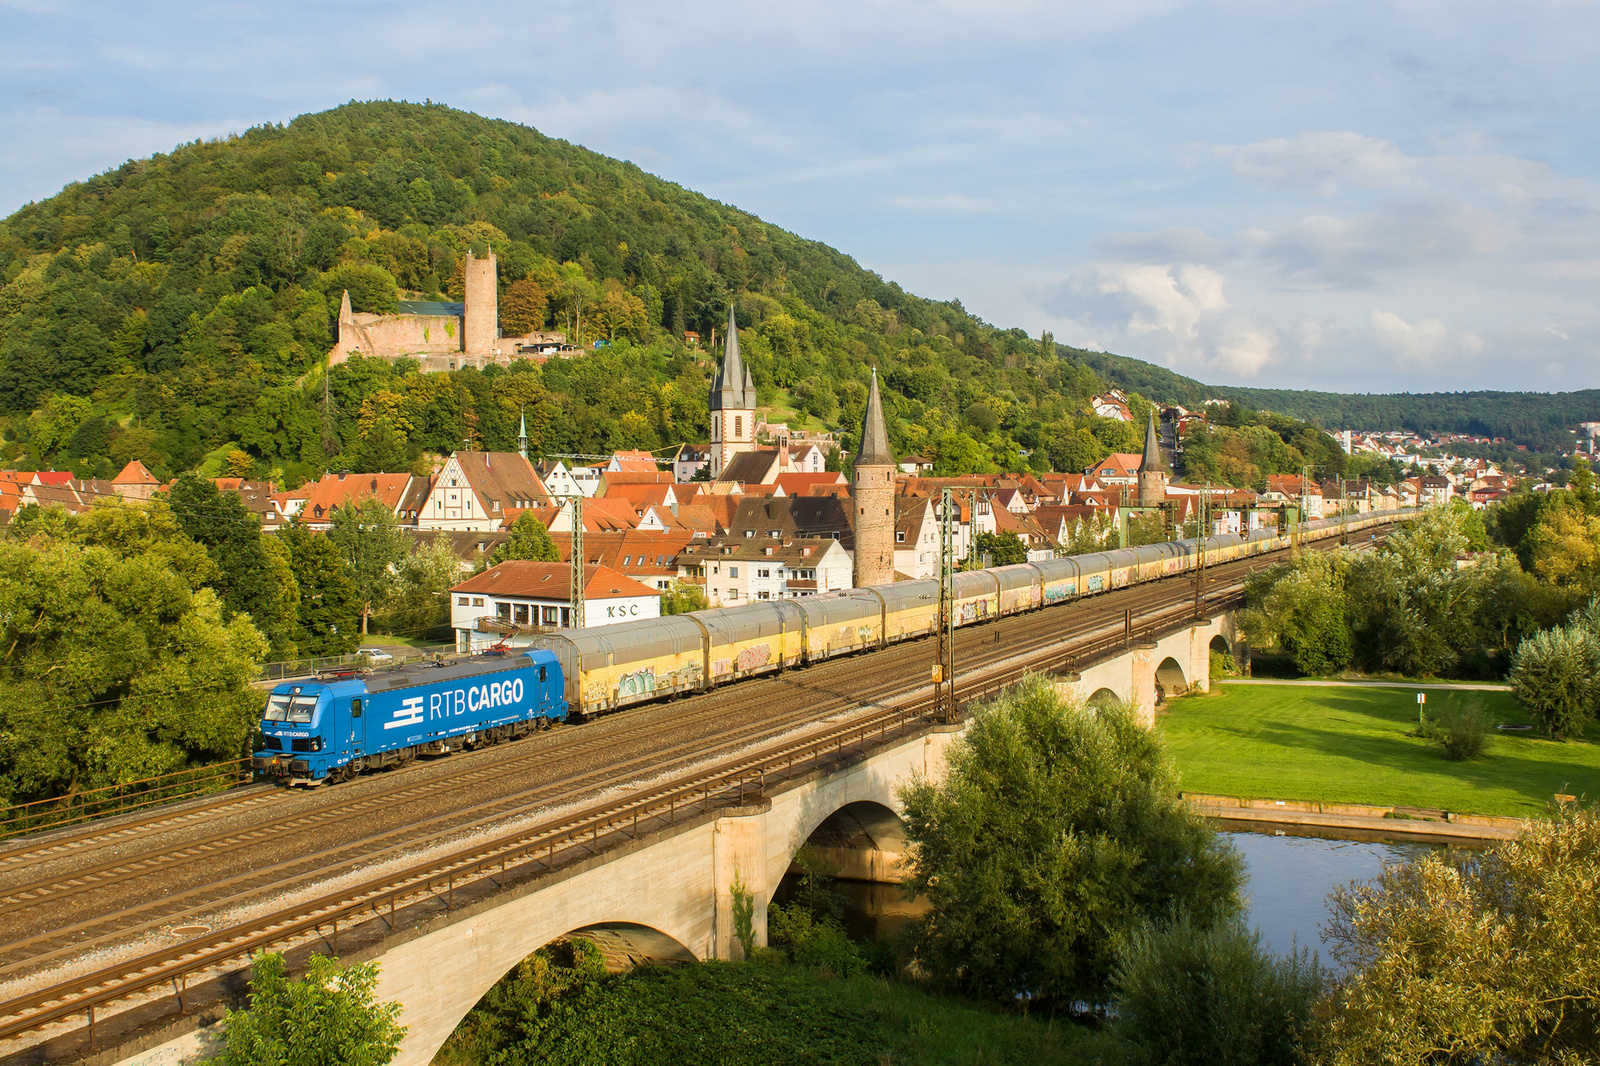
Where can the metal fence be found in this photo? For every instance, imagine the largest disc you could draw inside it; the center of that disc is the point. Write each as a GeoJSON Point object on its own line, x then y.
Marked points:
{"type": "Point", "coordinates": [118, 799]}
{"type": "Point", "coordinates": [293, 668]}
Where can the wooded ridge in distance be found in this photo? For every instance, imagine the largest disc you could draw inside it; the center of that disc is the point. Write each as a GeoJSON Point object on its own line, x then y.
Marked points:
{"type": "Point", "coordinates": [178, 310]}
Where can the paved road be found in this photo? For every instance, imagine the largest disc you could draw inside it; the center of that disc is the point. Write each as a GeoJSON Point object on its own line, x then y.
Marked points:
{"type": "Point", "coordinates": [1409, 686]}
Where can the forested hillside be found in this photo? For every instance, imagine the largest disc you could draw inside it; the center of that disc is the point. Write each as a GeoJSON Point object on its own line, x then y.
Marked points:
{"type": "Point", "coordinates": [178, 310]}
{"type": "Point", "coordinates": [1541, 419]}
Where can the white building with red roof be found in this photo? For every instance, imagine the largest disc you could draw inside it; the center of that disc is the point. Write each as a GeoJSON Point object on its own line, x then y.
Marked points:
{"type": "Point", "coordinates": [515, 599]}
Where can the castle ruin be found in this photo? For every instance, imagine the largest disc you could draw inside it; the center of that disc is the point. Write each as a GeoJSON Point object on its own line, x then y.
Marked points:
{"type": "Point", "coordinates": [443, 336]}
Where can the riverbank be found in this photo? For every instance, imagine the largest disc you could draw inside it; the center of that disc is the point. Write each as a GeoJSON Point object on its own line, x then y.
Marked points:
{"type": "Point", "coordinates": [1347, 743]}
{"type": "Point", "coordinates": [1358, 821]}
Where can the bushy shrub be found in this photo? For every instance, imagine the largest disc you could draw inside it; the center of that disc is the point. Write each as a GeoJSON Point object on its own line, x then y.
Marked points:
{"type": "Point", "coordinates": [1461, 729]}
{"type": "Point", "coordinates": [1556, 676]}
{"type": "Point", "coordinates": [1186, 994]}
{"type": "Point", "coordinates": [1223, 665]}
{"type": "Point", "coordinates": [1465, 957]}
{"type": "Point", "coordinates": [810, 941]}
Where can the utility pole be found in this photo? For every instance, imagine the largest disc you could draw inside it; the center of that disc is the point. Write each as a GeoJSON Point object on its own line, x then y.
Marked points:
{"type": "Point", "coordinates": [944, 670]}
{"type": "Point", "coordinates": [577, 562]}
{"type": "Point", "coordinates": [1202, 528]}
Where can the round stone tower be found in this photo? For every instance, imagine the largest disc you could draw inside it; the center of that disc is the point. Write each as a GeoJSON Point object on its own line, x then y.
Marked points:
{"type": "Point", "coordinates": [874, 498]}
{"type": "Point", "coordinates": [480, 333]}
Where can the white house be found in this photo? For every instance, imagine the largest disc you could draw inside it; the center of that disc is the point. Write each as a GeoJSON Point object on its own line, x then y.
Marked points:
{"type": "Point", "coordinates": [558, 480]}
{"type": "Point", "coordinates": [474, 490]}
{"type": "Point", "coordinates": [738, 571]}
{"type": "Point", "coordinates": [515, 599]}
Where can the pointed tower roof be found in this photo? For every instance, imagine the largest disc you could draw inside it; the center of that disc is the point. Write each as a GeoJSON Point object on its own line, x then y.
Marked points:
{"type": "Point", "coordinates": [733, 389]}
{"type": "Point", "coordinates": [1152, 447]}
{"type": "Point", "coordinates": [875, 450]}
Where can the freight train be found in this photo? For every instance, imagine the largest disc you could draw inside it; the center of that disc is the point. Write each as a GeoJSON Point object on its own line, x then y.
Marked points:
{"type": "Point", "coordinates": [332, 728]}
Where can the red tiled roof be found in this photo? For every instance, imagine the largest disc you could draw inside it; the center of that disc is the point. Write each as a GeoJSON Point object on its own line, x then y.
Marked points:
{"type": "Point", "coordinates": [552, 581]}
{"type": "Point", "coordinates": [135, 473]}
{"type": "Point", "coordinates": [339, 490]}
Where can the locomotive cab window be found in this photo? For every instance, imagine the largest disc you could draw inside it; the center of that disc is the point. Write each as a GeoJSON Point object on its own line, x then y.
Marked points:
{"type": "Point", "coordinates": [286, 708]}
{"type": "Point", "coordinates": [355, 708]}
{"type": "Point", "coordinates": [541, 673]}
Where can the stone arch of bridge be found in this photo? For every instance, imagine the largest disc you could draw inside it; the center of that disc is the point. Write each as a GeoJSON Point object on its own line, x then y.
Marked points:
{"type": "Point", "coordinates": [623, 944]}
{"type": "Point", "coordinates": [1102, 697]}
{"type": "Point", "coordinates": [1170, 681]}
{"type": "Point", "coordinates": [856, 825]}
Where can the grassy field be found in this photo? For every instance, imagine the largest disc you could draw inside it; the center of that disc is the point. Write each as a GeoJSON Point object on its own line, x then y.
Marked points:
{"type": "Point", "coordinates": [1349, 745]}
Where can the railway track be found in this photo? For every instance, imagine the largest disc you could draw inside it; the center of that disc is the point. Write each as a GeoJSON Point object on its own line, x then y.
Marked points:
{"type": "Point", "coordinates": [503, 836]}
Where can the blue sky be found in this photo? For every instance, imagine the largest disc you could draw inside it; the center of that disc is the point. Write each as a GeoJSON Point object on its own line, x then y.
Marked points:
{"type": "Point", "coordinates": [1352, 196]}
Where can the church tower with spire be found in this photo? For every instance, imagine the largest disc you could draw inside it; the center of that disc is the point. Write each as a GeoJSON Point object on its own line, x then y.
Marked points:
{"type": "Point", "coordinates": [733, 405]}
{"type": "Point", "coordinates": [874, 497]}
{"type": "Point", "coordinates": [1152, 473]}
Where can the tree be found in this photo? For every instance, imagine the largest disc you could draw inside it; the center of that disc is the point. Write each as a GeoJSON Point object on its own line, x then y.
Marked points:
{"type": "Point", "coordinates": [522, 308]}
{"type": "Point", "coordinates": [120, 664]}
{"type": "Point", "coordinates": [1459, 957]}
{"type": "Point", "coordinates": [420, 605]}
{"type": "Point", "coordinates": [1302, 612]}
{"type": "Point", "coordinates": [330, 1017]}
{"type": "Point", "coordinates": [1556, 676]}
{"type": "Point", "coordinates": [1192, 995]}
{"type": "Point", "coordinates": [328, 615]}
{"type": "Point", "coordinates": [683, 598]}
{"type": "Point", "coordinates": [1057, 830]}
{"type": "Point", "coordinates": [369, 540]}
{"type": "Point", "coordinates": [527, 539]}
{"type": "Point", "coordinates": [1004, 548]}
{"type": "Point", "coordinates": [251, 581]}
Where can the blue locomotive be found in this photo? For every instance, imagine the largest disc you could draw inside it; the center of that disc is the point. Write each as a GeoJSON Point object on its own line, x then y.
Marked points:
{"type": "Point", "coordinates": [332, 728]}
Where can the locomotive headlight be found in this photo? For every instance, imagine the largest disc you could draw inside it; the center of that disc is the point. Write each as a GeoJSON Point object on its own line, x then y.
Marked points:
{"type": "Point", "coordinates": [316, 743]}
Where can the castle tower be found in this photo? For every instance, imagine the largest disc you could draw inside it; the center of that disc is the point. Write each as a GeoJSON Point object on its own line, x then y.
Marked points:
{"type": "Point", "coordinates": [480, 333]}
{"type": "Point", "coordinates": [1152, 474]}
{"type": "Point", "coordinates": [733, 405]}
{"type": "Point", "coordinates": [874, 497]}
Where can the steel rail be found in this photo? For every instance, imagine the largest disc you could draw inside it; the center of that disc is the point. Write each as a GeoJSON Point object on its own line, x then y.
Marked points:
{"type": "Point", "coordinates": [128, 978]}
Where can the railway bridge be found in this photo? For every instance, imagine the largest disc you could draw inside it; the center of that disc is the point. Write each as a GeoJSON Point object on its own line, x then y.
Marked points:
{"type": "Point", "coordinates": [655, 881]}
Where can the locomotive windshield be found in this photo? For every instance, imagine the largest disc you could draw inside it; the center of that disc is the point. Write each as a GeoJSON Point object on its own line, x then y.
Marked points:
{"type": "Point", "coordinates": [285, 708]}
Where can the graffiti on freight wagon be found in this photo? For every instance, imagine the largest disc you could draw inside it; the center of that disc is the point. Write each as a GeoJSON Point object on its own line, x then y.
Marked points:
{"type": "Point", "coordinates": [751, 658]}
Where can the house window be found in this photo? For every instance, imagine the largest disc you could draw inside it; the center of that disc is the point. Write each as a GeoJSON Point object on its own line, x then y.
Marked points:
{"type": "Point", "coordinates": [503, 611]}
{"type": "Point", "coordinates": [626, 559]}
{"type": "Point", "coordinates": [477, 601]}
{"type": "Point", "coordinates": [899, 536]}
{"type": "Point", "coordinates": [733, 594]}
{"type": "Point", "coordinates": [775, 533]}
{"type": "Point", "coordinates": [522, 614]}
{"type": "Point", "coordinates": [551, 615]}
{"type": "Point", "coordinates": [738, 426]}
{"type": "Point", "coordinates": [464, 601]}
{"type": "Point", "coordinates": [763, 595]}
{"type": "Point", "coordinates": [733, 571]}
{"type": "Point", "coordinates": [764, 573]}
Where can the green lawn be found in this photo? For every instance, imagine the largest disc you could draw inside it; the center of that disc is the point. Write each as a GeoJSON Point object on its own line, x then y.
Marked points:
{"type": "Point", "coordinates": [1349, 745]}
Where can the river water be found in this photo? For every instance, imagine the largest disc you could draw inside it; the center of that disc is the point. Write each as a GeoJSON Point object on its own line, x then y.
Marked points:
{"type": "Point", "coordinates": [1291, 878]}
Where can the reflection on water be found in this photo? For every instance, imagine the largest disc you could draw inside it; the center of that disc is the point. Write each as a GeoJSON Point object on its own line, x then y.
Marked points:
{"type": "Point", "coordinates": [1291, 878]}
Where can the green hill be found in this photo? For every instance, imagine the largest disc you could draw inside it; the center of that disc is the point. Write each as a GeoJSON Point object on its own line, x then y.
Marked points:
{"type": "Point", "coordinates": [178, 310]}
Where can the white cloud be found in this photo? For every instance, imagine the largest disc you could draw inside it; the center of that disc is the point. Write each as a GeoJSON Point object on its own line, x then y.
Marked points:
{"type": "Point", "coordinates": [1427, 341]}
{"type": "Point", "coordinates": [1324, 162]}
